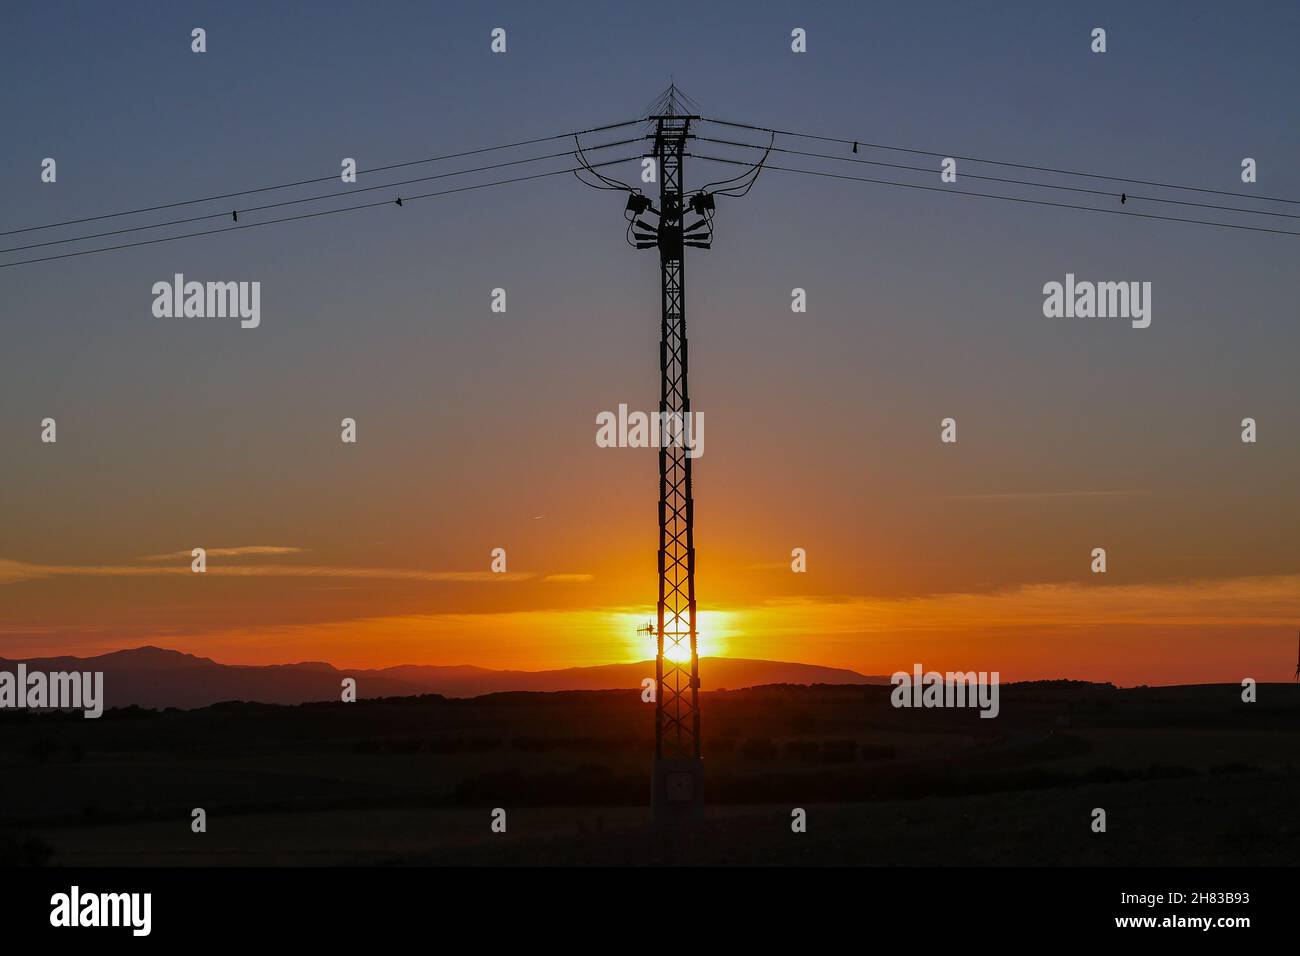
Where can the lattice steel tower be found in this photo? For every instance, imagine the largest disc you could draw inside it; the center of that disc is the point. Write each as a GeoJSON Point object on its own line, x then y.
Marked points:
{"type": "Point", "coordinates": [678, 767]}
{"type": "Point", "coordinates": [677, 791]}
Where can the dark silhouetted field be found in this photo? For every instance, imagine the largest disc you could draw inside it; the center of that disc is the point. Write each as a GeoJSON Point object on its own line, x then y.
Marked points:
{"type": "Point", "coordinates": [1187, 775]}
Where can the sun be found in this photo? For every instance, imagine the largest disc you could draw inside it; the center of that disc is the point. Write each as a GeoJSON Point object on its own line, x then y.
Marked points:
{"type": "Point", "coordinates": [714, 631]}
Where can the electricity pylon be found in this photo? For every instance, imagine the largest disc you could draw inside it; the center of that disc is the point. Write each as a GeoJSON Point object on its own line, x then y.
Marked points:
{"type": "Point", "coordinates": [678, 775]}
{"type": "Point", "coordinates": [677, 778]}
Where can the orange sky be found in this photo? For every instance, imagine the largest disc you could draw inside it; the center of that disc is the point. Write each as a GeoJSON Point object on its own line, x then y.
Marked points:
{"type": "Point", "coordinates": [1174, 632]}
{"type": "Point", "coordinates": [973, 556]}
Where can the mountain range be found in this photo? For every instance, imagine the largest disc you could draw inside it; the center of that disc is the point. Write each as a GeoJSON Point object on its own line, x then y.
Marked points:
{"type": "Point", "coordinates": [157, 677]}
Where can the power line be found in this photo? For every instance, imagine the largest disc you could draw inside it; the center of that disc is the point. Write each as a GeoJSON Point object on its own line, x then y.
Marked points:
{"type": "Point", "coordinates": [998, 179]}
{"type": "Point", "coordinates": [591, 167]}
{"type": "Point", "coordinates": [581, 157]}
{"type": "Point", "coordinates": [995, 162]}
{"type": "Point", "coordinates": [729, 190]}
{"type": "Point", "coordinates": [310, 215]}
{"type": "Point", "coordinates": [322, 179]}
{"type": "Point", "coordinates": [291, 202]}
{"type": "Point", "coordinates": [1019, 199]}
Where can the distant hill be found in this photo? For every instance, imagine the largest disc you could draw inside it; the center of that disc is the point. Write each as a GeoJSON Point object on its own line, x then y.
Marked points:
{"type": "Point", "coordinates": [716, 673]}
{"type": "Point", "coordinates": [157, 677]}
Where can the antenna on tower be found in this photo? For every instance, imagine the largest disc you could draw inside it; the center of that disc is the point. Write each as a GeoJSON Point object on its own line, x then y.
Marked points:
{"type": "Point", "coordinates": [672, 102]}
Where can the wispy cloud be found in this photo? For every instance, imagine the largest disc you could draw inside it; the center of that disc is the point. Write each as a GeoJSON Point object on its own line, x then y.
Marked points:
{"type": "Point", "coordinates": [224, 552]}
{"type": "Point", "coordinates": [1272, 601]}
{"type": "Point", "coordinates": [1045, 495]}
{"type": "Point", "coordinates": [12, 572]}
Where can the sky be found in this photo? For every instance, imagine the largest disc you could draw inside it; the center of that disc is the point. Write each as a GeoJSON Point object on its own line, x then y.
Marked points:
{"type": "Point", "coordinates": [476, 430]}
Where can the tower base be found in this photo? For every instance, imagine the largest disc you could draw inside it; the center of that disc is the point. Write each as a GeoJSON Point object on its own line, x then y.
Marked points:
{"type": "Point", "coordinates": [677, 791]}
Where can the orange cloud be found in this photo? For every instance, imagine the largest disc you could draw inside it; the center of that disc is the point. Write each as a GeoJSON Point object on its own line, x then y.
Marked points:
{"type": "Point", "coordinates": [224, 552]}
{"type": "Point", "coordinates": [12, 572]}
